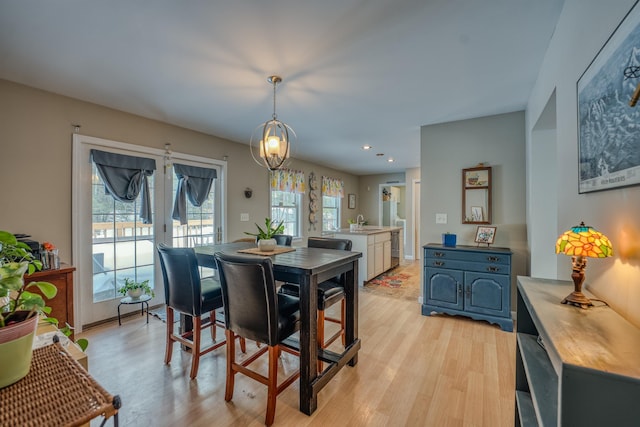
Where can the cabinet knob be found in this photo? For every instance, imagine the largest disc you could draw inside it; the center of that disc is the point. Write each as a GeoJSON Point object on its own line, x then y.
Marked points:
{"type": "Point", "coordinates": [438, 254]}
{"type": "Point", "coordinates": [493, 258]}
{"type": "Point", "coordinates": [438, 263]}
{"type": "Point", "coordinates": [460, 289]}
{"type": "Point", "coordinates": [493, 269]}
{"type": "Point", "coordinates": [468, 291]}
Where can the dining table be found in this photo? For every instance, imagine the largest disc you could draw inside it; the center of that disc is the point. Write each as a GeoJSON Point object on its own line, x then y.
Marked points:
{"type": "Point", "coordinates": [308, 267]}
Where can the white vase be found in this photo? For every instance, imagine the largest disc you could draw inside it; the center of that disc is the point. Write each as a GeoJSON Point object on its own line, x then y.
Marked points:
{"type": "Point", "coordinates": [267, 245]}
{"type": "Point", "coordinates": [135, 293]}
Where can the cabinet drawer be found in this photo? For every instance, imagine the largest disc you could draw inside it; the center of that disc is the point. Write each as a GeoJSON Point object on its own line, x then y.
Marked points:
{"type": "Point", "coordinates": [454, 264]}
{"type": "Point", "coordinates": [382, 237]}
{"type": "Point", "coordinates": [443, 254]}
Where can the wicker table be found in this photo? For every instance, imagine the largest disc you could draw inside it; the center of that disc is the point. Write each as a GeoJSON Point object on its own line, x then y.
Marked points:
{"type": "Point", "coordinates": [56, 392]}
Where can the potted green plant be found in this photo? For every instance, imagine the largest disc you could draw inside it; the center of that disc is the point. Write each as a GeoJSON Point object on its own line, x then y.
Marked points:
{"type": "Point", "coordinates": [264, 237]}
{"type": "Point", "coordinates": [19, 308]}
{"type": "Point", "coordinates": [136, 289]}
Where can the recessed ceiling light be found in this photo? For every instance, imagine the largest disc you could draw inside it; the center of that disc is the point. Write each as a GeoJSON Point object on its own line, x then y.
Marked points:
{"type": "Point", "coordinates": [390, 160]}
{"type": "Point", "coordinates": [366, 147]}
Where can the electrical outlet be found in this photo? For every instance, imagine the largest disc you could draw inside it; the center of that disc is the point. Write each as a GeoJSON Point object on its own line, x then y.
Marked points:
{"type": "Point", "coordinates": [441, 218]}
{"type": "Point", "coordinates": [244, 217]}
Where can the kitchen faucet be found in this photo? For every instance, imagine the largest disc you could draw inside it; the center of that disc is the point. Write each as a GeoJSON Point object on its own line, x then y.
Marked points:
{"type": "Point", "coordinates": [360, 220]}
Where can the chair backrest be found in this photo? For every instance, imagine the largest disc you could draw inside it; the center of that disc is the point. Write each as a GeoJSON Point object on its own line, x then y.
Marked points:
{"type": "Point", "coordinates": [283, 239]}
{"type": "Point", "coordinates": [182, 287]}
{"type": "Point", "coordinates": [328, 243]}
{"type": "Point", "coordinates": [249, 296]}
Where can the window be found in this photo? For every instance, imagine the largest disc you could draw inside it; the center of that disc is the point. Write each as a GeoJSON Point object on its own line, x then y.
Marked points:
{"type": "Point", "coordinates": [286, 206]}
{"type": "Point", "coordinates": [287, 188]}
{"type": "Point", "coordinates": [122, 243]}
{"type": "Point", "coordinates": [332, 193]}
{"type": "Point", "coordinates": [193, 221]}
{"type": "Point", "coordinates": [330, 213]}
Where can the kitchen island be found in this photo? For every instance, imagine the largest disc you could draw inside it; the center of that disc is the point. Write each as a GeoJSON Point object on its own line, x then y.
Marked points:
{"type": "Point", "coordinates": [381, 247]}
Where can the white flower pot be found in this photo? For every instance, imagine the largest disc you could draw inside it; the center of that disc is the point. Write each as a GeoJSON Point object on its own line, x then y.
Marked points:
{"type": "Point", "coordinates": [135, 293]}
{"type": "Point", "coordinates": [267, 245]}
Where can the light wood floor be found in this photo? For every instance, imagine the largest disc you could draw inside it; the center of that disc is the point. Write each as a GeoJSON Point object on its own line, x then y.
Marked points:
{"type": "Point", "coordinates": [412, 370]}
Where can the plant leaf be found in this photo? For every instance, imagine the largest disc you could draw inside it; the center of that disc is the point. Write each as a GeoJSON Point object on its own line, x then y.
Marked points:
{"type": "Point", "coordinates": [30, 301]}
{"type": "Point", "coordinates": [49, 290]}
{"type": "Point", "coordinates": [83, 343]}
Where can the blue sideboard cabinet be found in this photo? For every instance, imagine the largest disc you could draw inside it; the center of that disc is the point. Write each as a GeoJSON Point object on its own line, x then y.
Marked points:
{"type": "Point", "coordinates": [468, 281]}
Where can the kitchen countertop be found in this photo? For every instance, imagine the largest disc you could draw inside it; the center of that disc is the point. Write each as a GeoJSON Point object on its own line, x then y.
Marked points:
{"type": "Point", "coordinates": [367, 230]}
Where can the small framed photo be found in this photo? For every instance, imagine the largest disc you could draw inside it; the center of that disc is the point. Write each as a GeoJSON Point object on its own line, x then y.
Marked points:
{"type": "Point", "coordinates": [485, 234]}
{"type": "Point", "coordinates": [352, 201]}
{"type": "Point", "coordinates": [476, 214]}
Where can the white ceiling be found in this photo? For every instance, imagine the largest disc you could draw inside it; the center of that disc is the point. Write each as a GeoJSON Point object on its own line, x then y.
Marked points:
{"type": "Point", "coordinates": [355, 71]}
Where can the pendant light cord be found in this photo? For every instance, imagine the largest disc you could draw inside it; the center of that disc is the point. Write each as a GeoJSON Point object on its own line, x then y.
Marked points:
{"type": "Point", "coordinates": [275, 116]}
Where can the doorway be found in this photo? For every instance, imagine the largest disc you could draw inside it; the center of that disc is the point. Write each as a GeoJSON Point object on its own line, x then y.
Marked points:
{"type": "Point", "coordinates": [392, 206]}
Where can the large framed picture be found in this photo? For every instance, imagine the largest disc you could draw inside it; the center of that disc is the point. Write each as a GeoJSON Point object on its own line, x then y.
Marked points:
{"type": "Point", "coordinates": [608, 136]}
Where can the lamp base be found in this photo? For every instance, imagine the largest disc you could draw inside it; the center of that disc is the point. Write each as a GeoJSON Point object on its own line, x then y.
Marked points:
{"type": "Point", "coordinates": [578, 299]}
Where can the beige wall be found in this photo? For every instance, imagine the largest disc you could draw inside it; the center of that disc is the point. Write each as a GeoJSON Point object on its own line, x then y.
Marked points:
{"type": "Point", "coordinates": [36, 134]}
{"type": "Point", "coordinates": [583, 28]}
{"type": "Point", "coordinates": [446, 149]}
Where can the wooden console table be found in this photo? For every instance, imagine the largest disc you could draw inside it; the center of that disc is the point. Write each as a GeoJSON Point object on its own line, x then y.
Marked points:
{"type": "Point", "coordinates": [57, 391]}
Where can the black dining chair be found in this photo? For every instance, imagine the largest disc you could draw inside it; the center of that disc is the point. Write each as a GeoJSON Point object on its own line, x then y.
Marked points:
{"type": "Point", "coordinates": [254, 310]}
{"type": "Point", "coordinates": [329, 292]}
{"type": "Point", "coordinates": [186, 293]}
{"type": "Point", "coordinates": [283, 239]}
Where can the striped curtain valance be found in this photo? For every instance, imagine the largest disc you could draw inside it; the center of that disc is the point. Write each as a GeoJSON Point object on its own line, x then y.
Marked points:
{"type": "Point", "coordinates": [288, 180]}
{"type": "Point", "coordinates": [332, 187]}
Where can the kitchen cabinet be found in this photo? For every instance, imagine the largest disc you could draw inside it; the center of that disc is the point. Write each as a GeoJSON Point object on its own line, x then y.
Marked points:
{"type": "Point", "coordinates": [574, 367]}
{"type": "Point", "coordinates": [468, 281]}
{"type": "Point", "coordinates": [376, 247]}
{"type": "Point", "coordinates": [386, 257]}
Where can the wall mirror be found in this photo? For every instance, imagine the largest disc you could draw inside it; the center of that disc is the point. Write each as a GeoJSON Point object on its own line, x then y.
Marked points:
{"type": "Point", "coordinates": [476, 195]}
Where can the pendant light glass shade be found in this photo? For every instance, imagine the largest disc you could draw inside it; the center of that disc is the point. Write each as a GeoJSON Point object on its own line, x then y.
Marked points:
{"type": "Point", "coordinates": [271, 141]}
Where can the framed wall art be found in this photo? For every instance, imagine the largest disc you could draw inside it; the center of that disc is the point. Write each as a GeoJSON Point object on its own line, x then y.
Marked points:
{"type": "Point", "coordinates": [608, 137]}
{"type": "Point", "coordinates": [352, 201]}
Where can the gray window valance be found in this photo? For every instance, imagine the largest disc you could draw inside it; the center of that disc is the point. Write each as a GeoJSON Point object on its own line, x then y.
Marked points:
{"type": "Point", "coordinates": [194, 183]}
{"type": "Point", "coordinates": [125, 177]}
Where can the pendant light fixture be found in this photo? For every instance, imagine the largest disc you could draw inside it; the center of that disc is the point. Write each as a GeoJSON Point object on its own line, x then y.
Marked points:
{"type": "Point", "coordinates": [271, 141]}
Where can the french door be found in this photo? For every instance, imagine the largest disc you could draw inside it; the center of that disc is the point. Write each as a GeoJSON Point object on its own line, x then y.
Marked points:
{"type": "Point", "coordinates": [112, 243]}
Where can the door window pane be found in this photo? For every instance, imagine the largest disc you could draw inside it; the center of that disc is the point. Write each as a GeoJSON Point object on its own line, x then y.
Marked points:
{"type": "Point", "coordinates": [122, 245]}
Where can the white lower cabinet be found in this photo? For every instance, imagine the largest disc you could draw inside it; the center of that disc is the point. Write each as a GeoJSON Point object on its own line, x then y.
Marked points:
{"type": "Point", "coordinates": [376, 253]}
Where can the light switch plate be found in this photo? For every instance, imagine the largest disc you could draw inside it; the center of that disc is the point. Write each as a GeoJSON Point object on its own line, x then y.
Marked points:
{"type": "Point", "coordinates": [244, 217]}
{"type": "Point", "coordinates": [441, 218]}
